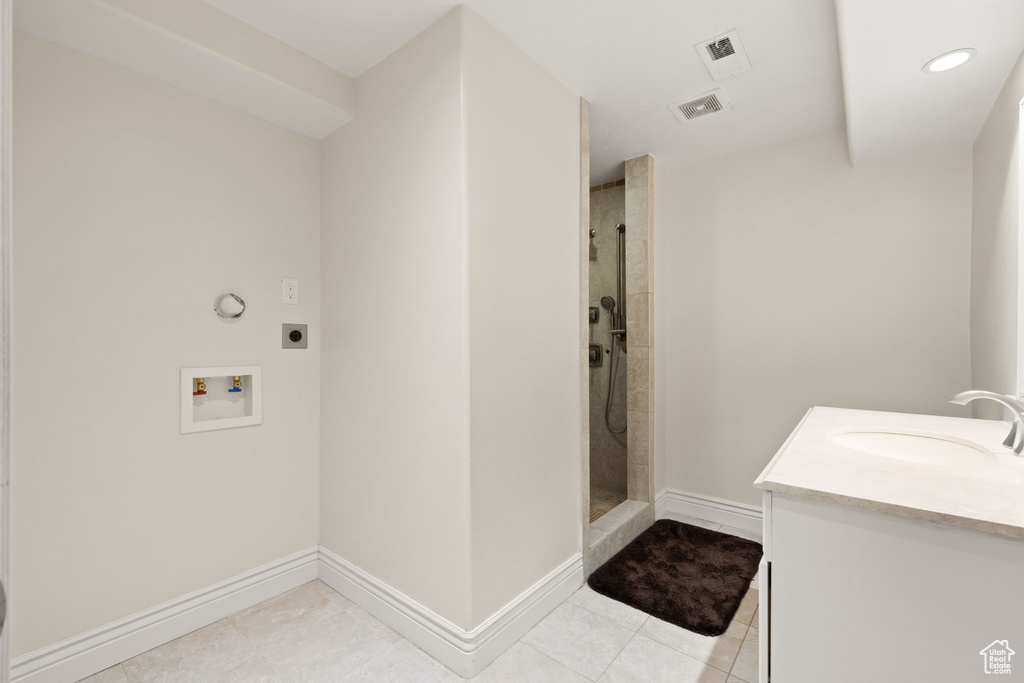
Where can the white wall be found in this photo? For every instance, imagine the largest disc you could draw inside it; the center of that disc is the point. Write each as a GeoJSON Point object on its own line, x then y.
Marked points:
{"type": "Point", "coordinates": [395, 439]}
{"type": "Point", "coordinates": [523, 144]}
{"type": "Point", "coordinates": [787, 279]}
{"type": "Point", "coordinates": [136, 204]}
{"type": "Point", "coordinates": [451, 280]}
{"type": "Point", "coordinates": [994, 255]}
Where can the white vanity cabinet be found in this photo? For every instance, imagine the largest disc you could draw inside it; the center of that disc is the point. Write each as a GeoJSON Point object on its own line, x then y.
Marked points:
{"type": "Point", "coordinates": [880, 575]}
{"type": "Point", "coordinates": [858, 596]}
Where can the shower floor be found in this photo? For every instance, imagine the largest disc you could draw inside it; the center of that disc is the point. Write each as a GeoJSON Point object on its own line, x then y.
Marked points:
{"type": "Point", "coordinates": [602, 501]}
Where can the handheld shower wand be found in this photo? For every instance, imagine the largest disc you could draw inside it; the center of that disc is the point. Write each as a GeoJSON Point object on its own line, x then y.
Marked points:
{"type": "Point", "coordinates": [617, 318]}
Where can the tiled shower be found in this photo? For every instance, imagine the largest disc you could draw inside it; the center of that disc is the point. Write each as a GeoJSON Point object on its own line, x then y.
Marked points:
{"type": "Point", "coordinates": [618, 468]}
{"type": "Point", "coordinates": [608, 437]}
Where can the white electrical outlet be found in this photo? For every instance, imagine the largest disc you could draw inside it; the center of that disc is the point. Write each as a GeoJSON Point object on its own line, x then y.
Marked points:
{"type": "Point", "coordinates": [289, 290]}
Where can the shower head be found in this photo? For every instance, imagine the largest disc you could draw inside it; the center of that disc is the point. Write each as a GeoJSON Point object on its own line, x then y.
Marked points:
{"type": "Point", "coordinates": [607, 303]}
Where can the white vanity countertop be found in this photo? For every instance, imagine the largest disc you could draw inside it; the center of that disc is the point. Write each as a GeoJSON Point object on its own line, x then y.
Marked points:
{"type": "Point", "coordinates": [987, 497]}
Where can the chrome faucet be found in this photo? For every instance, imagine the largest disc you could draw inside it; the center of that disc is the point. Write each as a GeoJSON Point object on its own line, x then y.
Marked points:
{"type": "Point", "coordinates": [1015, 439]}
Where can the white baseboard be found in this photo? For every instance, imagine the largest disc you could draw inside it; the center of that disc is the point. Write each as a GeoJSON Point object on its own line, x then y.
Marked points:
{"type": "Point", "coordinates": [672, 504]}
{"type": "Point", "coordinates": [93, 651]}
{"type": "Point", "coordinates": [465, 652]}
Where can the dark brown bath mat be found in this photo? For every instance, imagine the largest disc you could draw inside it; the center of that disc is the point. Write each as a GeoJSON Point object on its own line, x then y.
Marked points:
{"type": "Point", "coordinates": [688, 576]}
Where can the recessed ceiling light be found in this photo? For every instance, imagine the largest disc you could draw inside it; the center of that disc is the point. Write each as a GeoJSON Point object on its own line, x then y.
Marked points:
{"type": "Point", "coordinates": [950, 60]}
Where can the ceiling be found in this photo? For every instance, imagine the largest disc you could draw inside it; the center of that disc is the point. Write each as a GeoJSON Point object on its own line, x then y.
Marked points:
{"type": "Point", "coordinates": [629, 59]}
{"type": "Point", "coordinates": [200, 48]}
{"type": "Point", "coordinates": [893, 109]}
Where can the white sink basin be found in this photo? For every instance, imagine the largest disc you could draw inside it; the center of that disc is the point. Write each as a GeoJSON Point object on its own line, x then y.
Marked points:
{"type": "Point", "coordinates": [932, 449]}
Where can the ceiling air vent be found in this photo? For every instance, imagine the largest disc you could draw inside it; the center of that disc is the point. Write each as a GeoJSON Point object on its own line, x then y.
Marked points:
{"type": "Point", "coordinates": [720, 49]}
{"type": "Point", "coordinates": [723, 55]}
{"type": "Point", "coordinates": [708, 103]}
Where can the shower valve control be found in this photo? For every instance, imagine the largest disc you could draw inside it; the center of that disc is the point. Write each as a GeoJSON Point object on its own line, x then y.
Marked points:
{"type": "Point", "coordinates": [595, 314]}
{"type": "Point", "coordinates": [293, 336]}
{"type": "Point", "coordinates": [596, 355]}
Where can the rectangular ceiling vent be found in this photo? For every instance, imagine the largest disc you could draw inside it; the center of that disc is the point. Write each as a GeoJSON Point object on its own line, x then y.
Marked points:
{"type": "Point", "coordinates": [723, 55]}
{"type": "Point", "coordinates": [708, 103]}
{"type": "Point", "coordinates": [720, 49]}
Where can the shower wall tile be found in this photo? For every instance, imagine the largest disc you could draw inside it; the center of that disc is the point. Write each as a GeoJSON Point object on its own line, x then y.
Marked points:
{"type": "Point", "coordinates": [637, 280]}
{"type": "Point", "coordinates": [603, 439]}
{"type": "Point", "coordinates": [636, 482]}
{"type": "Point", "coordinates": [610, 211]}
{"type": "Point", "coordinates": [637, 227]}
{"type": "Point", "coordinates": [640, 287]}
{"type": "Point", "coordinates": [621, 377]}
{"type": "Point", "coordinates": [639, 436]}
{"type": "Point", "coordinates": [640, 207]}
{"type": "Point", "coordinates": [608, 470]}
{"type": "Point", "coordinates": [599, 331]}
{"type": "Point", "coordinates": [607, 461]}
{"type": "Point", "coordinates": [617, 410]}
{"type": "Point", "coordinates": [638, 321]}
{"type": "Point", "coordinates": [638, 393]}
{"type": "Point", "coordinates": [607, 208]}
{"type": "Point", "coordinates": [608, 450]}
{"type": "Point", "coordinates": [596, 381]}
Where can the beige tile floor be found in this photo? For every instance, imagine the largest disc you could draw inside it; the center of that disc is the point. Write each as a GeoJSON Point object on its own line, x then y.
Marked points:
{"type": "Point", "coordinates": [602, 502]}
{"type": "Point", "coordinates": [314, 635]}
